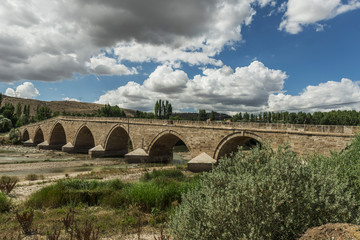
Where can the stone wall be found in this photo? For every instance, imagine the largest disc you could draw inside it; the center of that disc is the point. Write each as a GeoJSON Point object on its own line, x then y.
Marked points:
{"type": "Point", "coordinates": [110, 136]}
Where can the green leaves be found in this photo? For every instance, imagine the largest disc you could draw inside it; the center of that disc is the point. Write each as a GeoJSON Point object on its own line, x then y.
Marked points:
{"type": "Point", "coordinates": [264, 194]}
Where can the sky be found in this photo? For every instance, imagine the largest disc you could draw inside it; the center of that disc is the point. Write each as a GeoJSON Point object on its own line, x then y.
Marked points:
{"type": "Point", "coordinates": [224, 55]}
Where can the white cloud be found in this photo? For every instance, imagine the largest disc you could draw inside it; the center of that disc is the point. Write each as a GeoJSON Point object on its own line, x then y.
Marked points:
{"type": "Point", "coordinates": [325, 96]}
{"type": "Point", "coordinates": [70, 99]}
{"type": "Point", "coordinates": [103, 65]}
{"type": "Point", "coordinates": [222, 89]}
{"type": "Point", "coordinates": [25, 90]}
{"type": "Point", "coordinates": [300, 13]}
{"type": "Point", "coordinates": [52, 40]}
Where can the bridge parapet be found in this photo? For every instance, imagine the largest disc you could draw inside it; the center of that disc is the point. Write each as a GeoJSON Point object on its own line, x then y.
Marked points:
{"type": "Point", "coordinates": [339, 129]}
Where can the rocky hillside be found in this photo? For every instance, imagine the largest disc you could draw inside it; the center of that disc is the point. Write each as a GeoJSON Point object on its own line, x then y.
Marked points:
{"type": "Point", "coordinates": [58, 106]}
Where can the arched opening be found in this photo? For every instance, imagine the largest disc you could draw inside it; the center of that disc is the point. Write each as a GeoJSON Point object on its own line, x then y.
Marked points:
{"type": "Point", "coordinates": [118, 143]}
{"type": "Point", "coordinates": [58, 137]}
{"type": "Point", "coordinates": [25, 135]}
{"type": "Point", "coordinates": [162, 150]}
{"type": "Point", "coordinates": [39, 137]}
{"type": "Point", "coordinates": [233, 143]}
{"type": "Point", "coordinates": [84, 140]}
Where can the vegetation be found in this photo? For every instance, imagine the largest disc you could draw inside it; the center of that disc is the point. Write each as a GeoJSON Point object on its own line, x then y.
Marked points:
{"type": "Point", "coordinates": [14, 136]}
{"type": "Point", "coordinates": [73, 208]}
{"type": "Point", "coordinates": [110, 111]}
{"type": "Point", "coordinates": [339, 117]}
{"type": "Point", "coordinates": [33, 177]}
{"type": "Point", "coordinates": [7, 183]}
{"type": "Point", "coordinates": [202, 115]}
{"type": "Point", "coordinates": [158, 190]}
{"type": "Point", "coordinates": [5, 203]}
{"type": "Point", "coordinates": [267, 194]}
{"type": "Point", "coordinates": [162, 109]}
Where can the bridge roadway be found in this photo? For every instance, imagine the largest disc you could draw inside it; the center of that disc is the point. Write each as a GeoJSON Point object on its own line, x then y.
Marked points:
{"type": "Point", "coordinates": [101, 137]}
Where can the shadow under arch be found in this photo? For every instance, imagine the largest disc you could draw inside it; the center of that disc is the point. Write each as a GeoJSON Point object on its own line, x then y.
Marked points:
{"type": "Point", "coordinates": [232, 142]}
{"type": "Point", "coordinates": [84, 140]}
{"type": "Point", "coordinates": [161, 147]}
{"type": "Point", "coordinates": [25, 136]}
{"type": "Point", "coordinates": [57, 136]}
{"type": "Point", "coordinates": [39, 136]}
{"type": "Point", "coordinates": [117, 142]}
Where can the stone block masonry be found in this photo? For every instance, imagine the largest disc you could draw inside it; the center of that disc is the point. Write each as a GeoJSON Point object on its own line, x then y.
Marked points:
{"type": "Point", "coordinates": [112, 136]}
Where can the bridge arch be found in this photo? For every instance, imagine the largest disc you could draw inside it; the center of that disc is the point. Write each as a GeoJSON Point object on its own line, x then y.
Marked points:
{"type": "Point", "coordinates": [161, 147]}
{"type": "Point", "coordinates": [25, 136]}
{"type": "Point", "coordinates": [231, 143]}
{"type": "Point", "coordinates": [39, 136]}
{"type": "Point", "coordinates": [57, 136]}
{"type": "Point", "coordinates": [84, 140]}
{"type": "Point", "coordinates": [117, 141]}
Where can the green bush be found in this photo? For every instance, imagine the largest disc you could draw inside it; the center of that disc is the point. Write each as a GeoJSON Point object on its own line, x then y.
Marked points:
{"type": "Point", "coordinates": [5, 203]}
{"type": "Point", "coordinates": [14, 136]}
{"type": "Point", "coordinates": [73, 192]}
{"type": "Point", "coordinates": [346, 164]}
{"type": "Point", "coordinates": [146, 195]}
{"type": "Point", "coordinates": [263, 194]}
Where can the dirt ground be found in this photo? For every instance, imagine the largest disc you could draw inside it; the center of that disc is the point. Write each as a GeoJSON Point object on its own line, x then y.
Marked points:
{"type": "Point", "coordinates": [333, 231]}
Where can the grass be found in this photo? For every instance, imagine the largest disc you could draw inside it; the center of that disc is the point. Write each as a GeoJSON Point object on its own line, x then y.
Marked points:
{"type": "Point", "coordinates": [115, 207]}
{"type": "Point", "coordinates": [158, 191]}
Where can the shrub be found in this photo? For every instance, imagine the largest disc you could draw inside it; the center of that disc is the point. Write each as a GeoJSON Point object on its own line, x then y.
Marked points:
{"type": "Point", "coordinates": [5, 203]}
{"type": "Point", "coordinates": [7, 183]}
{"type": "Point", "coordinates": [263, 194]}
{"type": "Point", "coordinates": [346, 164]}
{"type": "Point", "coordinates": [25, 220]}
{"type": "Point", "coordinates": [73, 192]}
{"type": "Point", "coordinates": [33, 177]}
{"type": "Point", "coordinates": [14, 136]}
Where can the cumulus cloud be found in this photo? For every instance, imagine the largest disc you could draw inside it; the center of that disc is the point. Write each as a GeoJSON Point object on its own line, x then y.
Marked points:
{"type": "Point", "coordinates": [25, 90]}
{"type": "Point", "coordinates": [222, 89]}
{"type": "Point", "coordinates": [325, 96]}
{"type": "Point", "coordinates": [70, 99]}
{"type": "Point", "coordinates": [52, 40]}
{"type": "Point", "coordinates": [103, 65]}
{"type": "Point", "coordinates": [300, 13]}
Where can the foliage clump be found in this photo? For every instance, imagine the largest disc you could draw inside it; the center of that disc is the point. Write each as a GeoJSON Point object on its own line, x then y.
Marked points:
{"type": "Point", "coordinates": [263, 194]}
{"type": "Point", "coordinates": [5, 203]}
{"type": "Point", "coordinates": [8, 183]}
{"type": "Point", "coordinates": [157, 191]}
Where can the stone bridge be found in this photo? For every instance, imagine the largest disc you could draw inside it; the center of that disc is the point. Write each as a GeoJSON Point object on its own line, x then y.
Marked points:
{"type": "Point", "coordinates": [155, 139]}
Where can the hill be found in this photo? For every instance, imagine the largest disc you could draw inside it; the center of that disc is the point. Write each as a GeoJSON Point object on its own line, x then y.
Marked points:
{"type": "Point", "coordinates": [58, 106]}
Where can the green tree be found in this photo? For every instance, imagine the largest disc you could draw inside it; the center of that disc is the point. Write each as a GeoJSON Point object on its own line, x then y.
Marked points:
{"type": "Point", "coordinates": [42, 113]}
{"type": "Point", "coordinates": [202, 115]}
{"type": "Point", "coordinates": [156, 109]}
{"type": "Point", "coordinates": [246, 117]}
{"type": "Point", "coordinates": [18, 109]}
{"type": "Point", "coordinates": [212, 116]}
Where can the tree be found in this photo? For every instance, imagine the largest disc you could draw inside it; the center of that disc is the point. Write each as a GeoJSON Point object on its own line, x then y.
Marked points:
{"type": "Point", "coordinates": [212, 116]}
{"type": "Point", "coordinates": [156, 109]}
{"type": "Point", "coordinates": [246, 117]}
{"type": "Point", "coordinates": [202, 115]}
{"type": "Point", "coordinates": [18, 110]}
{"type": "Point", "coordinates": [162, 109]}
{"type": "Point", "coordinates": [42, 113]}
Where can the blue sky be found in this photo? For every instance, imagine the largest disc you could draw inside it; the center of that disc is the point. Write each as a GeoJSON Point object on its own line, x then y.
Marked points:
{"type": "Point", "coordinates": [222, 55]}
